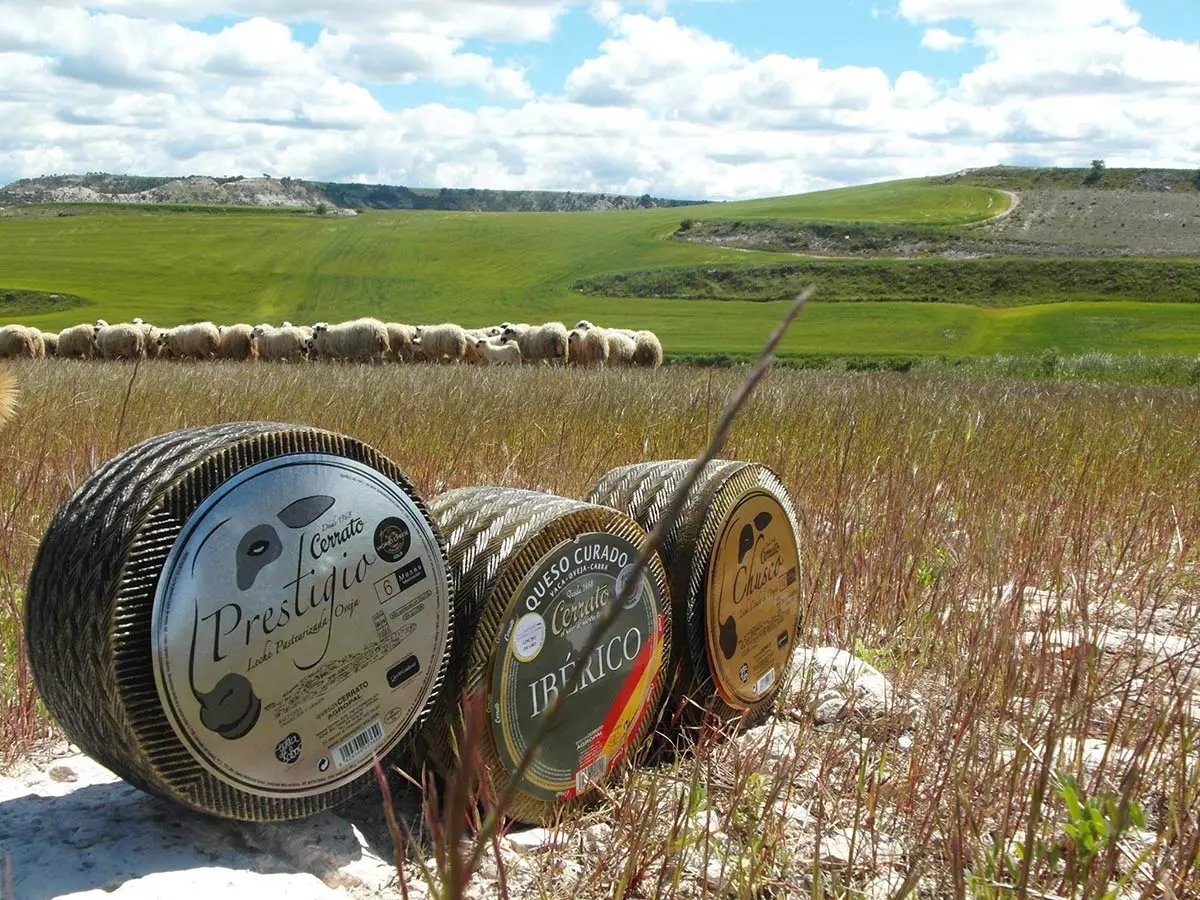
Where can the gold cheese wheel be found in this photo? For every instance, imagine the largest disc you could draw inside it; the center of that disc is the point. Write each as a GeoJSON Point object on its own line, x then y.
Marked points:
{"type": "Point", "coordinates": [242, 618]}
{"type": "Point", "coordinates": [533, 572]}
{"type": "Point", "coordinates": [733, 564]}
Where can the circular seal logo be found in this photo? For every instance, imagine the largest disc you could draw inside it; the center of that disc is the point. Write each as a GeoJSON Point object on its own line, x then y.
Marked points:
{"type": "Point", "coordinates": [281, 611]}
{"type": "Point", "coordinates": [287, 751]}
{"type": "Point", "coordinates": [392, 539]}
{"type": "Point", "coordinates": [753, 599]}
{"type": "Point", "coordinates": [546, 626]}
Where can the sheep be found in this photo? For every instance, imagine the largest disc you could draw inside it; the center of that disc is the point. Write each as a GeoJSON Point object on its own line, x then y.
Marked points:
{"type": "Point", "coordinates": [237, 342]}
{"type": "Point", "coordinates": [647, 350]}
{"type": "Point", "coordinates": [474, 354]}
{"type": "Point", "coordinates": [50, 341]}
{"type": "Point", "coordinates": [122, 341]}
{"type": "Point", "coordinates": [360, 340]}
{"type": "Point", "coordinates": [151, 338]}
{"type": "Point", "coordinates": [442, 343]}
{"type": "Point", "coordinates": [19, 341]}
{"type": "Point", "coordinates": [621, 347]}
{"type": "Point", "coordinates": [400, 342]}
{"type": "Point", "coordinates": [282, 344]}
{"type": "Point", "coordinates": [544, 343]}
{"type": "Point", "coordinates": [199, 341]}
{"type": "Point", "coordinates": [588, 348]}
{"type": "Point", "coordinates": [498, 354]}
{"type": "Point", "coordinates": [77, 342]}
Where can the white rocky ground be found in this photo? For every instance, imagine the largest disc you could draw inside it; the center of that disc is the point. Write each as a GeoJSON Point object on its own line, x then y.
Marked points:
{"type": "Point", "coordinates": [72, 829]}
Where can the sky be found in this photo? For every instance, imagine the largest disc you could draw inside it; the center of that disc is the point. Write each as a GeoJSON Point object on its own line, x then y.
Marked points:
{"type": "Point", "coordinates": [692, 99]}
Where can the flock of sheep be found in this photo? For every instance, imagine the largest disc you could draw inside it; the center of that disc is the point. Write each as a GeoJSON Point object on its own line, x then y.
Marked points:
{"type": "Point", "coordinates": [359, 340]}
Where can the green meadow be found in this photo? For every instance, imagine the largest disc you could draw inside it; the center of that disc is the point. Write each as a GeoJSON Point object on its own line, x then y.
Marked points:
{"type": "Point", "coordinates": [175, 265]}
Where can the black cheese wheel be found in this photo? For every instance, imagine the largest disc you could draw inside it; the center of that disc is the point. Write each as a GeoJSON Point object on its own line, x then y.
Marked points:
{"type": "Point", "coordinates": [533, 572]}
{"type": "Point", "coordinates": [733, 563]}
{"type": "Point", "coordinates": [242, 617]}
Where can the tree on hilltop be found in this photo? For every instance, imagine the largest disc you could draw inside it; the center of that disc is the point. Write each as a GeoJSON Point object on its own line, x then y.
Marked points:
{"type": "Point", "coordinates": [1096, 173]}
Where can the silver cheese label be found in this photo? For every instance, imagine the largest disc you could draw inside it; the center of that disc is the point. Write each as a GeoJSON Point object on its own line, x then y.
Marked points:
{"type": "Point", "coordinates": [299, 624]}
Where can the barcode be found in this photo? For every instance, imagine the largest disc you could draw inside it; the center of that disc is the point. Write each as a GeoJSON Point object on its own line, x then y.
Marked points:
{"type": "Point", "coordinates": [765, 681]}
{"type": "Point", "coordinates": [358, 745]}
{"type": "Point", "coordinates": [592, 772]}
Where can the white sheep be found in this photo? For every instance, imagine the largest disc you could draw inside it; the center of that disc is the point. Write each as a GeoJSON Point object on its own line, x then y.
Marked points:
{"type": "Point", "coordinates": [77, 342]}
{"type": "Point", "coordinates": [588, 347]}
{"type": "Point", "coordinates": [497, 354]}
{"type": "Point", "coordinates": [237, 342]}
{"type": "Point", "coordinates": [360, 340]}
{"type": "Point", "coordinates": [542, 343]}
{"type": "Point", "coordinates": [400, 342]}
{"type": "Point", "coordinates": [19, 341]}
{"type": "Point", "coordinates": [50, 341]}
{"type": "Point", "coordinates": [474, 354]}
{"type": "Point", "coordinates": [122, 341]}
{"type": "Point", "coordinates": [152, 338]}
{"type": "Point", "coordinates": [620, 347]}
{"type": "Point", "coordinates": [201, 340]}
{"type": "Point", "coordinates": [289, 344]}
{"type": "Point", "coordinates": [647, 349]}
{"type": "Point", "coordinates": [442, 343]}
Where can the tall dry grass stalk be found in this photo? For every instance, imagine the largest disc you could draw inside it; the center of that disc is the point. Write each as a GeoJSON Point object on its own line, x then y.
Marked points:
{"type": "Point", "coordinates": [1022, 560]}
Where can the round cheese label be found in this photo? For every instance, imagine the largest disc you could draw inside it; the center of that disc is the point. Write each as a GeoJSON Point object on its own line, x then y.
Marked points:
{"type": "Point", "coordinates": [299, 624]}
{"type": "Point", "coordinates": [753, 600]}
{"type": "Point", "coordinates": [545, 629]}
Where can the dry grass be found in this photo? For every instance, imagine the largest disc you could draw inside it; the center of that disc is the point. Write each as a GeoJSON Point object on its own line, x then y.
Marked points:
{"type": "Point", "coordinates": [1003, 551]}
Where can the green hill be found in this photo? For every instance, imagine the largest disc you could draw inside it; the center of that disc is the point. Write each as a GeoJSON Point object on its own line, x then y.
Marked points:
{"type": "Point", "coordinates": [477, 268]}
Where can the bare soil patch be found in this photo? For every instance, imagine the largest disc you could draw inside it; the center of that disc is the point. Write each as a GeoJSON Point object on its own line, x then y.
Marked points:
{"type": "Point", "coordinates": [1117, 223]}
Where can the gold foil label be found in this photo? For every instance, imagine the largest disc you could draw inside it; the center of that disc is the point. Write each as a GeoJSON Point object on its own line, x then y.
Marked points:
{"type": "Point", "coordinates": [752, 601]}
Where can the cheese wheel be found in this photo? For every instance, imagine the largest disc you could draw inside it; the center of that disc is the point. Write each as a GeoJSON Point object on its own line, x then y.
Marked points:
{"type": "Point", "coordinates": [242, 617]}
{"type": "Point", "coordinates": [533, 573]}
{"type": "Point", "coordinates": [733, 564]}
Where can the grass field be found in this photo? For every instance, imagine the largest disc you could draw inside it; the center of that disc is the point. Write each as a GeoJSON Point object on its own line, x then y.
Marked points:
{"type": "Point", "coordinates": [1009, 554]}
{"type": "Point", "coordinates": [475, 269]}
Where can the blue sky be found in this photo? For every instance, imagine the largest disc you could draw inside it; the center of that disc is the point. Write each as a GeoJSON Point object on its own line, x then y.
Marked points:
{"type": "Point", "coordinates": [697, 98]}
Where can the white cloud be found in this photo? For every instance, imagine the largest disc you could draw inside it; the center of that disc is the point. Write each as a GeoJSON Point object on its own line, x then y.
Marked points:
{"type": "Point", "coordinates": [941, 39]}
{"type": "Point", "coordinates": [1021, 13]}
{"type": "Point", "coordinates": [500, 20]}
{"type": "Point", "coordinates": [401, 58]}
{"type": "Point", "coordinates": [659, 107]}
{"type": "Point", "coordinates": [681, 73]}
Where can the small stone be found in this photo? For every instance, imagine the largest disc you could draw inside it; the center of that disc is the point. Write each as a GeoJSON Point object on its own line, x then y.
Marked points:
{"type": "Point", "coordinates": [595, 837]}
{"type": "Point", "coordinates": [774, 742]}
{"type": "Point", "coordinates": [793, 812]}
{"type": "Point", "coordinates": [533, 840]}
{"type": "Point", "coordinates": [62, 774]}
{"type": "Point", "coordinates": [842, 684]}
{"type": "Point", "coordinates": [835, 846]}
{"type": "Point", "coordinates": [883, 887]}
{"type": "Point", "coordinates": [717, 876]}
